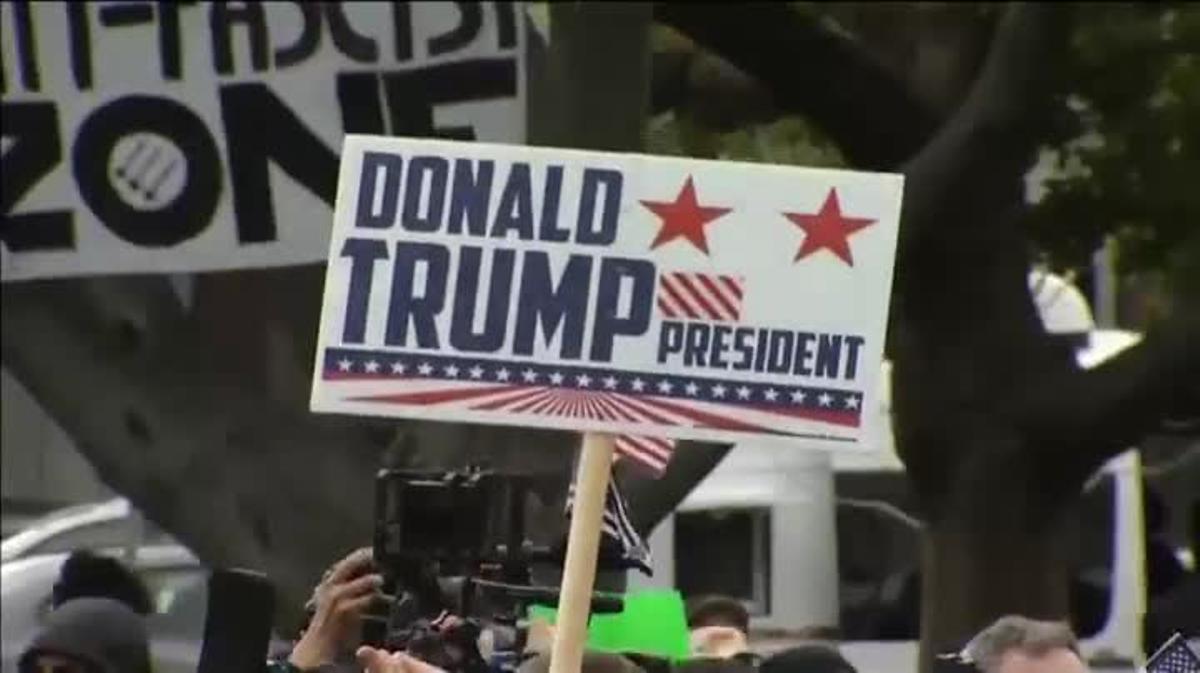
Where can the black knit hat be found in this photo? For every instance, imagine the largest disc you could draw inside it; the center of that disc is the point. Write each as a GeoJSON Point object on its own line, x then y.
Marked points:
{"type": "Point", "coordinates": [100, 632]}
{"type": "Point", "coordinates": [88, 575]}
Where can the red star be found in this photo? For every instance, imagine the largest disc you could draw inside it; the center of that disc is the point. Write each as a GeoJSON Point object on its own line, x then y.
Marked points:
{"type": "Point", "coordinates": [684, 217]}
{"type": "Point", "coordinates": [828, 229]}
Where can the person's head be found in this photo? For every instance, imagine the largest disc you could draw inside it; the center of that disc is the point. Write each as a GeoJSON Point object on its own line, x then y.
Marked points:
{"type": "Point", "coordinates": [89, 635]}
{"type": "Point", "coordinates": [806, 659]}
{"type": "Point", "coordinates": [1020, 645]}
{"type": "Point", "coordinates": [718, 611]}
{"type": "Point", "coordinates": [88, 575]}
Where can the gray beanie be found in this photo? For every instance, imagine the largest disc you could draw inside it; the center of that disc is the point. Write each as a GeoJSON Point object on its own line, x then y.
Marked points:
{"type": "Point", "coordinates": [101, 632]}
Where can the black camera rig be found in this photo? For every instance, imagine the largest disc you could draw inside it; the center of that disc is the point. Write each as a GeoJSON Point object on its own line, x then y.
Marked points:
{"type": "Point", "coordinates": [454, 543]}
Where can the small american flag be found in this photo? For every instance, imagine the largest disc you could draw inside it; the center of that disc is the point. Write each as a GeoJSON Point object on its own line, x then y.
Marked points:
{"type": "Point", "coordinates": [650, 453]}
{"type": "Point", "coordinates": [1174, 657]}
{"type": "Point", "coordinates": [700, 296]}
{"type": "Point", "coordinates": [617, 527]}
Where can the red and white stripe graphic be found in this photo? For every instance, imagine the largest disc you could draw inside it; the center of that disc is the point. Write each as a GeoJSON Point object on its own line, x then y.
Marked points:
{"type": "Point", "coordinates": [652, 453]}
{"type": "Point", "coordinates": [700, 296]}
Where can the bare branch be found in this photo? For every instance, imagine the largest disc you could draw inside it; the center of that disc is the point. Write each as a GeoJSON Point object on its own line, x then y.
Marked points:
{"type": "Point", "coordinates": [813, 71]}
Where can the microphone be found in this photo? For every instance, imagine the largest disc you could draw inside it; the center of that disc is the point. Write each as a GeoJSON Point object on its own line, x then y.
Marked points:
{"type": "Point", "coordinates": [237, 626]}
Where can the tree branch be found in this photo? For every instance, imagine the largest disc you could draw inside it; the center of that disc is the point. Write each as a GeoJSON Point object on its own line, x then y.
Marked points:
{"type": "Point", "coordinates": [961, 265]}
{"type": "Point", "coordinates": [813, 71]}
{"type": "Point", "coordinates": [710, 90]}
{"type": "Point", "coordinates": [1091, 416]}
{"type": "Point", "coordinates": [975, 163]}
{"type": "Point", "coordinates": [171, 419]}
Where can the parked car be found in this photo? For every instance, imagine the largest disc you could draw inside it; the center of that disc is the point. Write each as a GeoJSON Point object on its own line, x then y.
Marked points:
{"type": "Point", "coordinates": [178, 589]}
{"type": "Point", "coordinates": [112, 523]}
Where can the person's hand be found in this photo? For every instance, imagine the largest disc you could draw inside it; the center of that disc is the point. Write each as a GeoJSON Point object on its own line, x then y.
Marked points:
{"type": "Point", "coordinates": [718, 641]}
{"type": "Point", "coordinates": [540, 637]}
{"type": "Point", "coordinates": [380, 661]}
{"type": "Point", "coordinates": [345, 591]}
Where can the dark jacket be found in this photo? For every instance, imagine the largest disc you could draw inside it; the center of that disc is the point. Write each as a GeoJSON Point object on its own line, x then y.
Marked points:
{"type": "Point", "coordinates": [101, 632]}
{"type": "Point", "coordinates": [1176, 610]}
{"type": "Point", "coordinates": [806, 659]}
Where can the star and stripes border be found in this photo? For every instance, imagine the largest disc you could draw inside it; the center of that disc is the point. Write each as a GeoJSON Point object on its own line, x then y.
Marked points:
{"type": "Point", "coordinates": [649, 401]}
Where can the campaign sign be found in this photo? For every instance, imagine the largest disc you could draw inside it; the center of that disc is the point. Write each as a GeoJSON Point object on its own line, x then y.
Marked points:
{"type": "Point", "coordinates": [596, 291]}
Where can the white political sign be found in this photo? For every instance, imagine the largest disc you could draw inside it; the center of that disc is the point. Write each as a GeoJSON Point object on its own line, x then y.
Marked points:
{"type": "Point", "coordinates": [604, 292]}
{"type": "Point", "coordinates": [146, 137]}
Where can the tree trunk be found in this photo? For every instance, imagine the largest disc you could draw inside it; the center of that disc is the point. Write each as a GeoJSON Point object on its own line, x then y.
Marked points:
{"type": "Point", "coordinates": [599, 71]}
{"type": "Point", "coordinates": [995, 547]}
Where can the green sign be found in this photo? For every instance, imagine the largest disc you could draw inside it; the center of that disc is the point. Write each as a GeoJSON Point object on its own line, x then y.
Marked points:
{"type": "Point", "coordinates": [653, 623]}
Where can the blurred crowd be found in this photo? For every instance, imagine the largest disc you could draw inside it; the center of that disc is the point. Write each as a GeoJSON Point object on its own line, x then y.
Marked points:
{"type": "Point", "coordinates": [98, 608]}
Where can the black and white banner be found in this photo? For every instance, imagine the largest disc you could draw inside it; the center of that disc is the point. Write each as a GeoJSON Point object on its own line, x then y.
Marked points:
{"type": "Point", "coordinates": [174, 137]}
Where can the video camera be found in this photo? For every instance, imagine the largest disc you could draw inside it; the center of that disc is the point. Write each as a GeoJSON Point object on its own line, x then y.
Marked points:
{"type": "Point", "coordinates": [454, 543]}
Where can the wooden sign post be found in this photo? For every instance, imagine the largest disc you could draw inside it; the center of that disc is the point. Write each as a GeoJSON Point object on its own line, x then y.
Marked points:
{"type": "Point", "coordinates": [583, 547]}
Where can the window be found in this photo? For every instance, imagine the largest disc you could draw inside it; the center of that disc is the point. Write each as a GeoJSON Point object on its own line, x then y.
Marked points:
{"type": "Point", "coordinates": [180, 596]}
{"type": "Point", "coordinates": [878, 543]}
{"type": "Point", "coordinates": [727, 552]}
{"type": "Point", "coordinates": [1092, 567]}
{"type": "Point", "coordinates": [879, 562]}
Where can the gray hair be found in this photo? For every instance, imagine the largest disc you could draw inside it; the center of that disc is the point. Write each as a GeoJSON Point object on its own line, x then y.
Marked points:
{"type": "Point", "coordinates": [1028, 636]}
